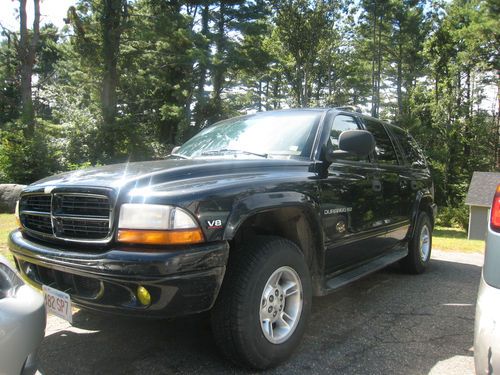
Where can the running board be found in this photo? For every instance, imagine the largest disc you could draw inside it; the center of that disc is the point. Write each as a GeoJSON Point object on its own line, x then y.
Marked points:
{"type": "Point", "coordinates": [376, 264]}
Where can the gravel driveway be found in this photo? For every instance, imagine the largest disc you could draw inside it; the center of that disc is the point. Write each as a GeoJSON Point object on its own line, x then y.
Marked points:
{"type": "Point", "coordinates": [387, 323]}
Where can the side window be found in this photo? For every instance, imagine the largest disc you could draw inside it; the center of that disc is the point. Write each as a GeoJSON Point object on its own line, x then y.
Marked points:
{"type": "Point", "coordinates": [411, 150]}
{"type": "Point", "coordinates": [342, 123]}
{"type": "Point", "coordinates": [418, 158]}
{"type": "Point", "coordinates": [386, 154]}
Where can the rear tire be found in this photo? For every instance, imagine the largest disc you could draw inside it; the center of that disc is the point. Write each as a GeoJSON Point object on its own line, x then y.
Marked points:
{"type": "Point", "coordinates": [419, 247]}
{"type": "Point", "coordinates": [264, 303]}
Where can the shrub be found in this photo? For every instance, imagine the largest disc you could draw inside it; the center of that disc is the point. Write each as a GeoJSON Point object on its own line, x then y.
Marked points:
{"type": "Point", "coordinates": [23, 161]}
{"type": "Point", "coordinates": [453, 217]}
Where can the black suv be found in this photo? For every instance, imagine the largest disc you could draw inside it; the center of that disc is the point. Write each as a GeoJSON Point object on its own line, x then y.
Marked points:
{"type": "Point", "coordinates": [250, 218]}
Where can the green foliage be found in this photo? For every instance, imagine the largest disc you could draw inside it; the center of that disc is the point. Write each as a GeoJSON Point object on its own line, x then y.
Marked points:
{"type": "Point", "coordinates": [24, 161]}
{"type": "Point", "coordinates": [457, 217]}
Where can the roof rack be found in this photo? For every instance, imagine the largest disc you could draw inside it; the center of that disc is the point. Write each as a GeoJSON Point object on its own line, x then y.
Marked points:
{"type": "Point", "coordinates": [349, 108]}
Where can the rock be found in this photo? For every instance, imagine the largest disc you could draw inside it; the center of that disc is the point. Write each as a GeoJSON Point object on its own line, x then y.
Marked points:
{"type": "Point", "coordinates": [9, 194]}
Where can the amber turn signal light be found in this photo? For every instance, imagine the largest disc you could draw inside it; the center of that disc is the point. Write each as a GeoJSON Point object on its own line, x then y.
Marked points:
{"type": "Point", "coordinates": [160, 237]}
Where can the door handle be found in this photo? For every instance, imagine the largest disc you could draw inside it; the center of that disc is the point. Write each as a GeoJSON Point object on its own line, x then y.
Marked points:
{"type": "Point", "coordinates": [376, 185]}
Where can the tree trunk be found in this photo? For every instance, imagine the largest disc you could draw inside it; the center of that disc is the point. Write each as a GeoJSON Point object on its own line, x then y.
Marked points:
{"type": "Point", "coordinates": [374, 56]}
{"type": "Point", "coordinates": [379, 67]}
{"type": "Point", "coordinates": [297, 87]}
{"type": "Point", "coordinates": [305, 93]}
{"type": "Point", "coordinates": [468, 115]}
{"type": "Point", "coordinates": [219, 65]}
{"type": "Point", "coordinates": [201, 100]}
{"type": "Point", "coordinates": [276, 92]}
{"type": "Point", "coordinates": [259, 93]}
{"type": "Point", "coordinates": [26, 52]}
{"type": "Point", "coordinates": [267, 94]}
{"type": "Point", "coordinates": [111, 22]}
{"type": "Point", "coordinates": [399, 81]}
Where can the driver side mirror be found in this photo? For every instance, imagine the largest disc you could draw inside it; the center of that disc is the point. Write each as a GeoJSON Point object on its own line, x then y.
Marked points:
{"type": "Point", "coordinates": [351, 142]}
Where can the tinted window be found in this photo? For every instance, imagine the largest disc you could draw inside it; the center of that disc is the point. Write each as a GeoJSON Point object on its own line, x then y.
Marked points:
{"type": "Point", "coordinates": [384, 148]}
{"type": "Point", "coordinates": [412, 152]}
{"type": "Point", "coordinates": [342, 123]}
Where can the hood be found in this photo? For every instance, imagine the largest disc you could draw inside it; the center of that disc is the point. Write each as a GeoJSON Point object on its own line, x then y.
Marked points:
{"type": "Point", "coordinates": [116, 176]}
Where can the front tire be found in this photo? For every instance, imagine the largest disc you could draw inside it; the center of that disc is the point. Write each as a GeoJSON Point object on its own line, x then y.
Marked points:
{"type": "Point", "coordinates": [264, 303]}
{"type": "Point", "coordinates": [419, 247]}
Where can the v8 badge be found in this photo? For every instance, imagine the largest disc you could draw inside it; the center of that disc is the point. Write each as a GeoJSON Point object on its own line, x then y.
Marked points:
{"type": "Point", "coordinates": [214, 224]}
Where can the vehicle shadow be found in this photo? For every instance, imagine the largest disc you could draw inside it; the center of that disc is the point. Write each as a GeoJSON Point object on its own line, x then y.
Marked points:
{"type": "Point", "coordinates": [387, 323]}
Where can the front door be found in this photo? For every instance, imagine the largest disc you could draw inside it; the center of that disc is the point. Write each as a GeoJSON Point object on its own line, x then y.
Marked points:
{"type": "Point", "coordinates": [351, 205]}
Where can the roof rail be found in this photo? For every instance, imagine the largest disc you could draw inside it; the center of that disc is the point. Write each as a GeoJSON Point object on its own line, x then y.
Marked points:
{"type": "Point", "coordinates": [350, 108]}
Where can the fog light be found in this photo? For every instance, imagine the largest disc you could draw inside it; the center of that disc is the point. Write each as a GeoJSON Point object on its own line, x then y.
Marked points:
{"type": "Point", "coordinates": [143, 296]}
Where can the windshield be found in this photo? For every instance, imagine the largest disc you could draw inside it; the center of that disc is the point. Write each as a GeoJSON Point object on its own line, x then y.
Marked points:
{"type": "Point", "coordinates": [262, 135]}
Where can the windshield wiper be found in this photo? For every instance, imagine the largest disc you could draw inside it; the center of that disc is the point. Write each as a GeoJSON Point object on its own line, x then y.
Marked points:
{"type": "Point", "coordinates": [228, 150]}
{"type": "Point", "coordinates": [179, 156]}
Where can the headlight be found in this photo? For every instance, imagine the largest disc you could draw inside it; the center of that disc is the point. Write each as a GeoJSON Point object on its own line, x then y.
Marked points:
{"type": "Point", "coordinates": [155, 224]}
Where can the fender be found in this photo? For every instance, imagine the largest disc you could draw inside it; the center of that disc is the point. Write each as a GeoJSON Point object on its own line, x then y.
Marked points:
{"type": "Point", "coordinates": [262, 202]}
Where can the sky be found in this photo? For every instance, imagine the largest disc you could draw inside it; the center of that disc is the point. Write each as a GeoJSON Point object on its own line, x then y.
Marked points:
{"type": "Point", "coordinates": [51, 11]}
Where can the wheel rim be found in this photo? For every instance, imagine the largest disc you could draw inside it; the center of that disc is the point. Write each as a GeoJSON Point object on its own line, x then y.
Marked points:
{"type": "Point", "coordinates": [425, 243]}
{"type": "Point", "coordinates": [281, 305]}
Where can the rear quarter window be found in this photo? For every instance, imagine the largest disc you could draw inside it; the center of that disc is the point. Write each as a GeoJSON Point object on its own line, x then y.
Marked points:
{"type": "Point", "coordinates": [386, 153]}
{"type": "Point", "coordinates": [410, 148]}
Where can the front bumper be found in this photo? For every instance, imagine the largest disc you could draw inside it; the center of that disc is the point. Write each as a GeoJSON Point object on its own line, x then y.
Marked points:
{"type": "Point", "coordinates": [181, 281]}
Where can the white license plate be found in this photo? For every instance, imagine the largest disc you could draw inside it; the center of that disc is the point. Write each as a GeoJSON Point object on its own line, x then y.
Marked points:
{"type": "Point", "coordinates": [57, 303]}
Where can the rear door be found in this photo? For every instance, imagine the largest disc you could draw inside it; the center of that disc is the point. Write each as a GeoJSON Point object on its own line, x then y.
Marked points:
{"type": "Point", "coordinates": [394, 186]}
{"type": "Point", "coordinates": [414, 176]}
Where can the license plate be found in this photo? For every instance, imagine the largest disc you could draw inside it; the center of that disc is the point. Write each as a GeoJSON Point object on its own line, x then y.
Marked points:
{"type": "Point", "coordinates": [57, 303]}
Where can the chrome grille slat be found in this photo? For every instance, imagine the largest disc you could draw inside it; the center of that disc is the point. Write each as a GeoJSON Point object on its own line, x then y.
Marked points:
{"type": "Point", "coordinates": [80, 217]}
{"type": "Point", "coordinates": [90, 218]}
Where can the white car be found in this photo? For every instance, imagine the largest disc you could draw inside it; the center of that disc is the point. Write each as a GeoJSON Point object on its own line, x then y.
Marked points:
{"type": "Point", "coordinates": [22, 322]}
{"type": "Point", "coordinates": [487, 324]}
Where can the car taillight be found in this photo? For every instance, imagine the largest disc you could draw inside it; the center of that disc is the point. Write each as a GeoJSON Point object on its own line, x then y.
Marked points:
{"type": "Point", "coordinates": [495, 211]}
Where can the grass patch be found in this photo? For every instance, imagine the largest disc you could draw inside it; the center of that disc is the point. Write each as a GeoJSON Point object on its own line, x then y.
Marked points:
{"type": "Point", "coordinates": [455, 239]}
{"type": "Point", "coordinates": [7, 224]}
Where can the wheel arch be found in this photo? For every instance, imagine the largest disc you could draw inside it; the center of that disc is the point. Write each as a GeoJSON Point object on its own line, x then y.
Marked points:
{"type": "Point", "coordinates": [293, 216]}
{"type": "Point", "coordinates": [423, 203]}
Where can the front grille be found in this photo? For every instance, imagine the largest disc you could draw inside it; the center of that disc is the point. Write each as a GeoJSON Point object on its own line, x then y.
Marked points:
{"type": "Point", "coordinates": [72, 216]}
